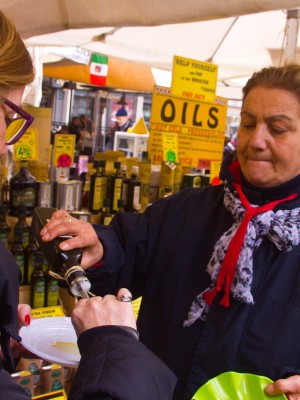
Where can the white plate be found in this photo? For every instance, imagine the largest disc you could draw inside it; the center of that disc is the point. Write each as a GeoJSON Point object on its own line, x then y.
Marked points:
{"type": "Point", "coordinates": [53, 339]}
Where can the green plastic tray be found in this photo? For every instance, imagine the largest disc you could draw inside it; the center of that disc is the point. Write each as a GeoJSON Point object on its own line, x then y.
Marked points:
{"type": "Point", "coordinates": [236, 386]}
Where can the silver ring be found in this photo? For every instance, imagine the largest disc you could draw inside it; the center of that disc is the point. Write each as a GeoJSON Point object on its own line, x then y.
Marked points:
{"type": "Point", "coordinates": [125, 298]}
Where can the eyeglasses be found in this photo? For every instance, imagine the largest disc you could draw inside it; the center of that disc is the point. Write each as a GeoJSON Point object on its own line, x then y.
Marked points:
{"type": "Point", "coordinates": [16, 127]}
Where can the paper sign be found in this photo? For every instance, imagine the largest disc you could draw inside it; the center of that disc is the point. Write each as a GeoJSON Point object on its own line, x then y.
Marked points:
{"type": "Point", "coordinates": [58, 395]}
{"type": "Point", "coordinates": [26, 148]}
{"type": "Point", "coordinates": [63, 144]}
{"type": "Point", "coordinates": [194, 80]}
{"type": "Point", "coordinates": [170, 147]}
{"type": "Point", "coordinates": [199, 128]}
{"type": "Point", "coordinates": [214, 170]}
{"type": "Point", "coordinates": [55, 311]}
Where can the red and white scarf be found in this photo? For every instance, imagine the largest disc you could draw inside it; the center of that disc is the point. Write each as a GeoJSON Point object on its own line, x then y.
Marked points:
{"type": "Point", "coordinates": [231, 264]}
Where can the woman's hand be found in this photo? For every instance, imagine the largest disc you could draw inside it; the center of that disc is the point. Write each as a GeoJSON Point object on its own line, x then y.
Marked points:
{"type": "Point", "coordinates": [61, 223]}
{"type": "Point", "coordinates": [289, 386]}
{"type": "Point", "coordinates": [101, 311]}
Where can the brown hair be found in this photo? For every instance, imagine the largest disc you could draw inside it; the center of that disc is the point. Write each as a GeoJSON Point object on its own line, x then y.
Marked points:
{"type": "Point", "coordinates": [286, 77]}
{"type": "Point", "coordinates": [16, 68]}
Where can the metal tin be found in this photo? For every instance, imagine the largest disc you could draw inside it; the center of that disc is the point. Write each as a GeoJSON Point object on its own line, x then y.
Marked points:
{"type": "Point", "coordinates": [45, 194]}
{"type": "Point", "coordinates": [78, 195]}
{"type": "Point", "coordinates": [65, 195]}
{"type": "Point", "coordinates": [82, 215]}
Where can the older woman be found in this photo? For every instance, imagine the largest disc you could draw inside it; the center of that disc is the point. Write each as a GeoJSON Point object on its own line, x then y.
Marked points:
{"type": "Point", "coordinates": [218, 267]}
{"type": "Point", "coordinates": [119, 365]}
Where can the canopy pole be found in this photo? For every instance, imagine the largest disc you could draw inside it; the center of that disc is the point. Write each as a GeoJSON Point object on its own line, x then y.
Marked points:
{"type": "Point", "coordinates": [292, 27]}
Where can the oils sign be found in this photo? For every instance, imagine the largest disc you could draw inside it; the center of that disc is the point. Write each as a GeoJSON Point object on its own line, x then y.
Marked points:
{"type": "Point", "coordinates": [199, 129]}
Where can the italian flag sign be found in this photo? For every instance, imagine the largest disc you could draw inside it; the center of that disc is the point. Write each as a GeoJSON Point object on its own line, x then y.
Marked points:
{"type": "Point", "coordinates": [98, 69]}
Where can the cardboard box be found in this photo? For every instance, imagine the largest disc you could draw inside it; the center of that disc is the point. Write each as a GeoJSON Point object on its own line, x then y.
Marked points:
{"type": "Point", "coordinates": [24, 379]}
{"type": "Point", "coordinates": [33, 365]}
{"type": "Point", "coordinates": [53, 378]}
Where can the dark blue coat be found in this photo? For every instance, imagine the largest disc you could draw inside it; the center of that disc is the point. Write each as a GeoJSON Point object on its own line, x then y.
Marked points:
{"type": "Point", "coordinates": [162, 255]}
{"type": "Point", "coordinates": [114, 364]}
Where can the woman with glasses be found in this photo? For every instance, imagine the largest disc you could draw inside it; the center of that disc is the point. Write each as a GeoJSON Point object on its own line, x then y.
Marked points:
{"type": "Point", "coordinates": [114, 364]}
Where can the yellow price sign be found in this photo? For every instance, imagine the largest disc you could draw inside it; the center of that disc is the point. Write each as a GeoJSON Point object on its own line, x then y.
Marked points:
{"type": "Point", "coordinates": [194, 130]}
{"type": "Point", "coordinates": [26, 148]}
{"type": "Point", "coordinates": [170, 147]}
{"type": "Point", "coordinates": [55, 311]}
{"type": "Point", "coordinates": [57, 395]}
{"type": "Point", "coordinates": [194, 79]}
{"type": "Point", "coordinates": [63, 145]}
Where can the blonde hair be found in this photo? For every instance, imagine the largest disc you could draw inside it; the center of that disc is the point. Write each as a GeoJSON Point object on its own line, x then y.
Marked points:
{"type": "Point", "coordinates": [16, 68]}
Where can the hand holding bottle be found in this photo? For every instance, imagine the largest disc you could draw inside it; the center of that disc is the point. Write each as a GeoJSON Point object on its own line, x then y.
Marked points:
{"type": "Point", "coordinates": [61, 223]}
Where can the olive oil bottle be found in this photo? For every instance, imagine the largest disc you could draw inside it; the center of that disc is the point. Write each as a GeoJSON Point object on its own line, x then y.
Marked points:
{"type": "Point", "coordinates": [106, 215]}
{"type": "Point", "coordinates": [115, 186]}
{"type": "Point", "coordinates": [51, 291]}
{"type": "Point", "coordinates": [134, 190]}
{"type": "Point", "coordinates": [30, 251]}
{"type": "Point", "coordinates": [98, 187]}
{"type": "Point", "coordinates": [23, 189]}
{"type": "Point", "coordinates": [21, 212]}
{"type": "Point", "coordinates": [18, 252]}
{"type": "Point", "coordinates": [38, 282]}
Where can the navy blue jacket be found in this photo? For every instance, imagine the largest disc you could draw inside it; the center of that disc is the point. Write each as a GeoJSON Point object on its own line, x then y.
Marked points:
{"type": "Point", "coordinates": [162, 255]}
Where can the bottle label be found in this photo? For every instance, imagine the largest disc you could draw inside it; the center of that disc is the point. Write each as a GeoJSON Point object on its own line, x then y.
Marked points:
{"type": "Point", "coordinates": [25, 197]}
{"type": "Point", "coordinates": [117, 193]}
{"type": "Point", "coordinates": [125, 193]}
{"type": "Point", "coordinates": [20, 260]}
{"type": "Point", "coordinates": [52, 293]}
{"type": "Point", "coordinates": [25, 238]}
{"type": "Point", "coordinates": [31, 264]}
{"type": "Point", "coordinates": [136, 197]}
{"type": "Point", "coordinates": [39, 293]}
{"type": "Point", "coordinates": [99, 192]}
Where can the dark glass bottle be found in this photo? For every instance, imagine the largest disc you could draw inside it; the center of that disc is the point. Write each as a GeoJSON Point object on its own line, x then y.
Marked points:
{"type": "Point", "coordinates": [106, 215]}
{"type": "Point", "coordinates": [115, 186]}
{"type": "Point", "coordinates": [18, 252]}
{"type": "Point", "coordinates": [98, 187]}
{"type": "Point", "coordinates": [125, 185]}
{"type": "Point", "coordinates": [5, 192]}
{"type": "Point", "coordinates": [121, 206]}
{"type": "Point", "coordinates": [144, 177]}
{"type": "Point", "coordinates": [134, 190]}
{"type": "Point", "coordinates": [23, 189]}
{"type": "Point", "coordinates": [31, 249]}
{"type": "Point", "coordinates": [22, 223]}
{"type": "Point", "coordinates": [38, 282]}
{"type": "Point", "coordinates": [4, 227]}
